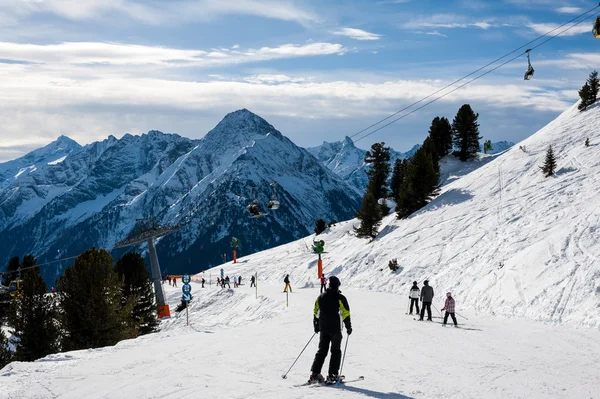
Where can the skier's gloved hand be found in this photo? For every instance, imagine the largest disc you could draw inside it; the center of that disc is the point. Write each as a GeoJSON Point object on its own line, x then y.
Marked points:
{"type": "Point", "coordinates": [316, 329]}
{"type": "Point", "coordinates": [349, 330]}
{"type": "Point", "coordinates": [316, 325]}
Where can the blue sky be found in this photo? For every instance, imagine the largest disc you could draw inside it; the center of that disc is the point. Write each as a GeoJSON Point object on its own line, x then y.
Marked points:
{"type": "Point", "coordinates": [316, 70]}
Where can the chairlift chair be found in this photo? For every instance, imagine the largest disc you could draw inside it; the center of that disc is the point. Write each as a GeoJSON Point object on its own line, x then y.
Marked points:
{"type": "Point", "coordinates": [15, 287]}
{"type": "Point", "coordinates": [530, 70]}
{"type": "Point", "coordinates": [274, 203]}
{"type": "Point", "coordinates": [596, 29]}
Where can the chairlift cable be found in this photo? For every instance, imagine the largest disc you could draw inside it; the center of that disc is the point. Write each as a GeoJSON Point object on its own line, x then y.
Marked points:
{"type": "Point", "coordinates": [478, 70]}
{"type": "Point", "coordinates": [472, 80]}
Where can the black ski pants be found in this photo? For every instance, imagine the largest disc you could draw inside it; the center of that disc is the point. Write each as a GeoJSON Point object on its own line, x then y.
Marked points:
{"type": "Point", "coordinates": [453, 318]}
{"type": "Point", "coordinates": [252, 284]}
{"type": "Point", "coordinates": [414, 302]}
{"type": "Point", "coordinates": [323, 287]}
{"type": "Point", "coordinates": [336, 352]}
{"type": "Point", "coordinates": [426, 305]}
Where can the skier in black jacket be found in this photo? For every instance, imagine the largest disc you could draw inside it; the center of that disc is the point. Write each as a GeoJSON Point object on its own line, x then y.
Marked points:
{"type": "Point", "coordinates": [329, 306]}
{"type": "Point", "coordinates": [427, 298]}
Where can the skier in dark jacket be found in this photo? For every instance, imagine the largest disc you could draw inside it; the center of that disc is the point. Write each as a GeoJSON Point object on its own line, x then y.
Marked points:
{"type": "Point", "coordinates": [414, 297]}
{"type": "Point", "coordinates": [426, 298]}
{"type": "Point", "coordinates": [286, 280]}
{"type": "Point", "coordinates": [328, 308]}
{"type": "Point", "coordinates": [252, 281]}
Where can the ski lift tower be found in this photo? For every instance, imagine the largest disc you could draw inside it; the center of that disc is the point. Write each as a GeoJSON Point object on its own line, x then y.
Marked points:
{"type": "Point", "coordinates": [148, 230]}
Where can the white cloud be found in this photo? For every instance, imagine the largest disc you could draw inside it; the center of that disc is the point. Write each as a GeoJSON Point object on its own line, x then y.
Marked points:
{"type": "Point", "coordinates": [160, 12]}
{"type": "Point", "coordinates": [126, 54]}
{"type": "Point", "coordinates": [447, 21]}
{"type": "Point", "coordinates": [544, 28]}
{"type": "Point", "coordinates": [357, 34]}
{"type": "Point", "coordinates": [569, 10]}
{"type": "Point", "coordinates": [435, 33]}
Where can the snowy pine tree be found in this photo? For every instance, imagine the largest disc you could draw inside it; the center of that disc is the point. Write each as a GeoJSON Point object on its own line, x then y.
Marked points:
{"type": "Point", "coordinates": [6, 354]}
{"type": "Point", "coordinates": [379, 158]}
{"type": "Point", "coordinates": [33, 317]}
{"type": "Point", "coordinates": [441, 134]}
{"type": "Point", "coordinates": [397, 177]}
{"type": "Point", "coordinates": [320, 226]}
{"type": "Point", "coordinates": [594, 84]}
{"type": "Point", "coordinates": [137, 288]}
{"type": "Point", "coordinates": [370, 215]}
{"type": "Point", "coordinates": [466, 132]}
{"type": "Point", "coordinates": [585, 96]}
{"type": "Point", "coordinates": [549, 164]}
{"type": "Point", "coordinates": [91, 294]}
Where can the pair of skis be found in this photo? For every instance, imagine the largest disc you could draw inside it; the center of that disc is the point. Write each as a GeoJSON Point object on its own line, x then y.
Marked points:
{"type": "Point", "coordinates": [341, 381]}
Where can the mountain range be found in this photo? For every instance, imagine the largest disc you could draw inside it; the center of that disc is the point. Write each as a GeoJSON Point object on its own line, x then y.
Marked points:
{"type": "Point", "coordinates": [64, 198]}
{"type": "Point", "coordinates": [61, 199]}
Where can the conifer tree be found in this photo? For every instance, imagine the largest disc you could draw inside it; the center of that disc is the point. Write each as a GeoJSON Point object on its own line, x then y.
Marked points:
{"type": "Point", "coordinates": [466, 132]}
{"type": "Point", "coordinates": [137, 287]}
{"type": "Point", "coordinates": [6, 354]}
{"type": "Point", "coordinates": [91, 294]}
{"type": "Point", "coordinates": [594, 84]}
{"type": "Point", "coordinates": [421, 181]}
{"type": "Point", "coordinates": [397, 177]}
{"type": "Point", "coordinates": [549, 164]}
{"type": "Point", "coordinates": [34, 317]}
{"type": "Point", "coordinates": [441, 134]}
{"type": "Point", "coordinates": [12, 270]}
{"type": "Point", "coordinates": [585, 95]}
{"type": "Point", "coordinates": [370, 215]}
{"type": "Point", "coordinates": [406, 203]}
{"type": "Point", "coordinates": [320, 226]}
{"type": "Point", "coordinates": [379, 158]}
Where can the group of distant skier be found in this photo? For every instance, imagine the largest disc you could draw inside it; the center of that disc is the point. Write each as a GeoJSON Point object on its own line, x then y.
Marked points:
{"type": "Point", "coordinates": [426, 295]}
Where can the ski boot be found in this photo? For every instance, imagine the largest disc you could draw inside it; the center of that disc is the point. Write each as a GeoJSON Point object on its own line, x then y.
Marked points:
{"type": "Point", "coordinates": [316, 378]}
{"type": "Point", "coordinates": [332, 379]}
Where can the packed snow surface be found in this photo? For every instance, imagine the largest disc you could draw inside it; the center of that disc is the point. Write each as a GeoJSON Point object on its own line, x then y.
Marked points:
{"type": "Point", "coordinates": [239, 346]}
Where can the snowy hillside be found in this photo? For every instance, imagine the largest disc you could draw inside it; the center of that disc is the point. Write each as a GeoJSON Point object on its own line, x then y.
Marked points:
{"type": "Point", "coordinates": [93, 196]}
{"type": "Point", "coordinates": [348, 161]}
{"type": "Point", "coordinates": [503, 238]}
{"type": "Point", "coordinates": [238, 346]}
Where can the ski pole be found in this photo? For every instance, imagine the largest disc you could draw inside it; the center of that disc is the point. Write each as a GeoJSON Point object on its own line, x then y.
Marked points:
{"type": "Point", "coordinates": [461, 316]}
{"type": "Point", "coordinates": [343, 357]}
{"type": "Point", "coordinates": [311, 338]}
{"type": "Point", "coordinates": [436, 309]}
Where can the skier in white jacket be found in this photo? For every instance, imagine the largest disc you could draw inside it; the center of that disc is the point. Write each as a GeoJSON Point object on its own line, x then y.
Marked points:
{"type": "Point", "coordinates": [414, 294]}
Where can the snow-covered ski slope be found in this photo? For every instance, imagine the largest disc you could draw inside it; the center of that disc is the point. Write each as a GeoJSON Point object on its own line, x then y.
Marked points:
{"type": "Point", "coordinates": [504, 239]}
{"type": "Point", "coordinates": [238, 346]}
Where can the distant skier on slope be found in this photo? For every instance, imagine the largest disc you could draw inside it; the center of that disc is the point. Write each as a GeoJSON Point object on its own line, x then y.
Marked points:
{"type": "Point", "coordinates": [414, 297]}
{"type": "Point", "coordinates": [449, 308]}
{"type": "Point", "coordinates": [240, 280]}
{"type": "Point", "coordinates": [226, 281]}
{"type": "Point", "coordinates": [174, 281]}
{"type": "Point", "coordinates": [286, 280]}
{"type": "Point", "coordinates": [323, 283]}
{"type": "Point", "coordinates": [328, 308]}
{"type": "Point", "coordinates": [203, 281]}
{"type": "Point", "coordinates": [253, 281]}
{"type": "Point", "coordinates": [426, 298]}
